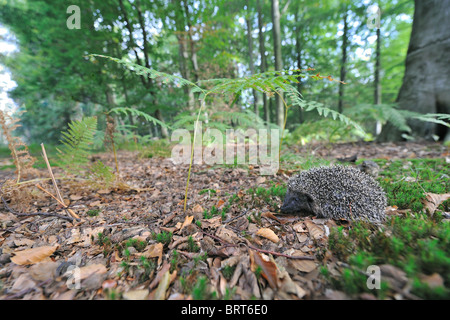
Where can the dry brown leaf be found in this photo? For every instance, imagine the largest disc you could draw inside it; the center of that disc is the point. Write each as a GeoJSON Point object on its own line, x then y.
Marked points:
{"type": "Point", "coordinates": [104, 191]}
{"type": "Point", "coordinates": [197, 209]}
{"type": "Point", "coordinates": [268, 234]}
{"type": "Point", "coordinates": [214, 222]}
{"type": "Point", "coordinates": [314, 230]}
{"type": "Point", "coordinates": [187, 221]}
{"type": "Point", "coordinates": [34, 255]}
{"type": "Point", "coordinates": [220, 204]}
{"type": "Point", "coordinates": [140, 294]}
{"type": "Point", "coordinates": [75, 197]}
{"type": "Point", "coordinates": [95, 203]}
{"type": "Point", "coordinates": [89, 270]}
{"type": "Point", "coordinates": [160, 292]}
{"type": "Point", "coordinates": [155, 250]}
{"type": "Point", "coordinates": [23, 242]}
{"type": "Point", "coordinates": [268, 267]}
{"type": "Point", "coordinates": [433, 200]}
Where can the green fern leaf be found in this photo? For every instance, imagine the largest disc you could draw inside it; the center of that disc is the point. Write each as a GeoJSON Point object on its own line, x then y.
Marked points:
{"type": "Point", "coordinates": [77, 143]}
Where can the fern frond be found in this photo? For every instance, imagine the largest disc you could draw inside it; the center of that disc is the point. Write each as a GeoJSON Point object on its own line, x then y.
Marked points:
{"type": "Point", "coordinates": [138, 113]}
{"type": "Point", "coordinates": [323, 111]}
{"type": "Point", "coordinates": [152, 73]}
{"type": "Point", "coordinates": [77, 143]}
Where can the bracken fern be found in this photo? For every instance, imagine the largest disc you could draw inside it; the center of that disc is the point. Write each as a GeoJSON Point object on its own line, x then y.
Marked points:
{"type": "Point", "coordinates": [77, 142]}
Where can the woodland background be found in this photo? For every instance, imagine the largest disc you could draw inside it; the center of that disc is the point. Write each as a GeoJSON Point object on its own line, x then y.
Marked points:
{"type": "Point", "coordinates": [56, 80]}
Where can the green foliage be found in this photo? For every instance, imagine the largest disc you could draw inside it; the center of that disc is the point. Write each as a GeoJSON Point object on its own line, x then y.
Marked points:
{"type": "Point", "coordinates": [138, 113]}
{"type": "Point", "coordinates": [200, 290]}
{"type": "Point", "coordinates": [390, 113]}
{"type": "Point", "coordinates": [271, 196]}
{"type": "Point", "coordinates": [405, 182]}
{"type": "Point", "coordinates": [76, 145]}
{"type": "Point", "coordinates": [192, 245]}
{"type": "Point", "coordinates": [93, 212]}
{"type": "Point", "coordinates": [139, 245]}
{"type": "Point", "coordinates": [417, 243]}
{"type": "Point", "coordinates": [228, 271]}
{"type": "Point", "coordinates": [164, 237]}
{"type": "Point", "coordinates": [101, 175]}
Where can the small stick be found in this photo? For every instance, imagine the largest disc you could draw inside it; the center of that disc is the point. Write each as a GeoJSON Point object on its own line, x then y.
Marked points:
{"type": "Point", "coordinates": [71, 212]}
{"type": "Point", "coordinates": [45, 214]}
{"type": "Point", "coordinates": [47, 192]}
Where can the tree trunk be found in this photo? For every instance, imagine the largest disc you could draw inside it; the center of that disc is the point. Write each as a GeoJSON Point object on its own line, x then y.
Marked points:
{"type": "Point", "coordinates": [298, 50]}
{"type": "Point", "coordinates": [377, 84]}
{"type": "Point", "coordinates": [426, 82]}
{"type": "Point", "coordinates": [262, 52]}
{"type": "Point", "coordinates": [250, 56]}
{"type": "Point", "coordinates": [278, 58]}
{"type": "Point", "coordinates": [343, 63]}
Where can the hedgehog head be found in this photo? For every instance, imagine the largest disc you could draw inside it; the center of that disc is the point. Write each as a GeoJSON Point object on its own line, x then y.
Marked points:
{"type": "Point", "coordinates": [301, 203]}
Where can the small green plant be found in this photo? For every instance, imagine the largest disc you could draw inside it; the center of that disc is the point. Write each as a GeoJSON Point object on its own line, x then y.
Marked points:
{"type": "Point", "coordinates": [139, 245]}
{"type": "Point", "coordinates": [228, 272]}
{"type": "Point", "coordinates": [175, 260]}
{"type": "Point", "coordinates": [164, 237]}
{"type": "Point", "coordinates": [148, 265]}
{"type": "Point", "coordinates": [200, 290]}
{"type": "Point", "coordinates": [209, 191]}
{"type": "Point", "coordinates": [102, 239]}
{"type": "Point", "coordinates": [192, 245]}
{"type": "Point", "coordinates": [93, 212]}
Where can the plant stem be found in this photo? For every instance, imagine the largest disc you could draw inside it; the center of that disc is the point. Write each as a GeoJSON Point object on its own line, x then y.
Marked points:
{"type": "Point", "coordinates": [286, 107]}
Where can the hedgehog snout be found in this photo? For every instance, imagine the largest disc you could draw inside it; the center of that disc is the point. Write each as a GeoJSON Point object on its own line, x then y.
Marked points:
{"type": "Point", "coordinates": [297, 203]}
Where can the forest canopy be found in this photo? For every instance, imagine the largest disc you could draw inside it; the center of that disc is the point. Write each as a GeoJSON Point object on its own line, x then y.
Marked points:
{"type": "Point", "coordinates": [58, 80]}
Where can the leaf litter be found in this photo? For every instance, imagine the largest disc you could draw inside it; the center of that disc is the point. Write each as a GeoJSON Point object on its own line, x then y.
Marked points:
{"type": "Point", "coordinates": [141, 245]}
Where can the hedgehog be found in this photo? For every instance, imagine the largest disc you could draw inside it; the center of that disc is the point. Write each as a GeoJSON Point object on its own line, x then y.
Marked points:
{"type": "Point", "coordinates": [336, 192]}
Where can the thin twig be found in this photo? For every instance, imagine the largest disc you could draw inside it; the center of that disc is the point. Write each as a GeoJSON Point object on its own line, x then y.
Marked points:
{"type": "Point", "coordinates": [71, 212]}
{"type": "Point", "coordinates": [46, 214]}
{"type": "Point", "coordinates": [51, 195]}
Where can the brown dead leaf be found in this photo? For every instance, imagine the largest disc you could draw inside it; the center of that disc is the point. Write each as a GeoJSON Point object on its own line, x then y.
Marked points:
{"type": "Point", "coordinates": [268, 234]}
{"type": "Point", "coordinates": [104, 191]}
{"type": "Point", "coordinates": [268, 267]}
{"type": "Point", "coordinates": [220, 204]}
{"type": "Point", "coordinates": [34, 255]}
{"type": "Point", "coordinates": [140, 294]}
{"type": "Point", "coordinates": [95, 203]}
{"type": "Point", "coordinates": [89, 270]}
{"type": "Point", "coordinates": [23, 242]}
{"type": "Point", "coordinates": [187, 221]}
{"type": "Point", "coordinates": [433, 200]}
{"type": "Point", "coordinates": [155, 250]}
{"type": "Point", "coordinates": [75, 197]}
{"type": "Point", "coordinates": [270, 215]}
{"type": "Point", "coordinates": [314, 230]}
{"type": "Point", "coordinates": [300, 265]}
{"type": "Point", "coordinates": [435, 280]}
{"type": "Point", "coordinates": [197, 209]}
{"type": "Point", "coordinates": [160, 292]}
{"type": "Point", "coordinates": [214, 222]}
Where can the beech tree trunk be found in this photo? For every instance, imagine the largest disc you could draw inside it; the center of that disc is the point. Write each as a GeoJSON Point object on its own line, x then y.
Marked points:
{"type": "Point", "coordinates": [278, 60]}
{"type": "Point", "coordinates": [262, 52]}
{"type": "Point", "coordinates": [426, 83]}
{"type": "Point", "coordinates": [343, 63]}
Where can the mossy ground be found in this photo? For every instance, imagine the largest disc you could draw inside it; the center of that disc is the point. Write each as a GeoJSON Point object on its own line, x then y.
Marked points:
{"type": "Point", "coordinates": [417, 243]}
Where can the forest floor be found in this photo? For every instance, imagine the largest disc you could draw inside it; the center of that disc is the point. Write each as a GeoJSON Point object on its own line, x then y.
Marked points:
{"type": "Point", "coordinates": [137, 242]}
